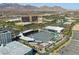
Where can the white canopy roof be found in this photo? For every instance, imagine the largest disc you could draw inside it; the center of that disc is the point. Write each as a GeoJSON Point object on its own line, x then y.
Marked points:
{"type": "Point", "coordinates": [56, 28]}
{"type": "Point", "coordinates": [27, 38]}
{"type": "Point", "coordinates": [27, 31]}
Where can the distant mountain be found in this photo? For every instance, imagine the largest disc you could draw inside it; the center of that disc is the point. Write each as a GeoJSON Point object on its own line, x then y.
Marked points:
{"type": "Point", "coordinates": [58, 8]}
{"type": "Point", "coordinates": [15, 8]}
{"type": "Point", "coordinates": [30, 7]}
{"type": "Point", "coordinates": [19, 6]}
{"type": "Point", "coordinates": [10, 5]}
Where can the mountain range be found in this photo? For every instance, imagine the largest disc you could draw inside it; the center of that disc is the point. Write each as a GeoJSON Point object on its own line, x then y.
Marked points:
{"type": "Point", "coordinates": [20, 9]}
{"type": "Point", "coordinates": [16, 6]}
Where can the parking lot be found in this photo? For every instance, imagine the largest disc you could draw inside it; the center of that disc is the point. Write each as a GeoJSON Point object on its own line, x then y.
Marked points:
{"type": "Point", "coordinates": [71, 49]}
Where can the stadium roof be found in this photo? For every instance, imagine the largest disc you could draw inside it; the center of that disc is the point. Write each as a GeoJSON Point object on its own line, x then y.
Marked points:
{"type": "Point", "coordinates": [45, 36]}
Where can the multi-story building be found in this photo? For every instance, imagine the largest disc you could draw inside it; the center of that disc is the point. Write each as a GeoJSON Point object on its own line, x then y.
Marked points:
{"type": "Point", "coordinates": [5, 37]}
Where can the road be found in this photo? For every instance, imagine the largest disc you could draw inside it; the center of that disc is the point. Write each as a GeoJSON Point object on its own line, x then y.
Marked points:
{"type": "Point", "coordinates": [60, 45]}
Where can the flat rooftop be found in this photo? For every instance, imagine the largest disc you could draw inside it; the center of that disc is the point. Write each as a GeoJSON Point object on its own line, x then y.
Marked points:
{"type": "Point", "coordinates": [56, 28]}
{"type": "Point", "coordinates": [23, 23]}
{"type": "Point", "coordinates": [4, 31]}
{"type": "Point", "coordinates": [14, 48]}
{"type": "Point", "coordinates": [35, 14]}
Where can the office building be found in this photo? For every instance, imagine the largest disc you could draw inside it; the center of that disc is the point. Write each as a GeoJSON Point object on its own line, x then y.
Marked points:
{"type": "Point", "coordinates": [5, 37]}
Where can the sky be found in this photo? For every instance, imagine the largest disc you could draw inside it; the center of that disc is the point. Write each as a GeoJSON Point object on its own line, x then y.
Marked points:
{"type": "Point", "coordinates": [64, 5]}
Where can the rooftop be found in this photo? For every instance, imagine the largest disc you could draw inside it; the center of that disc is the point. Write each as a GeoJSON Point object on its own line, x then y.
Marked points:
{"type": "Point", "coordinates": [35, 14]}
{"type": "Point", "coordinates": [14, 48]}
{"type": "Point", "coordinates": [58, 29]}
{"type": "Point", "coordinates": [23, 23]}
{"type": "Point", "coordinates": [4, 31]}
